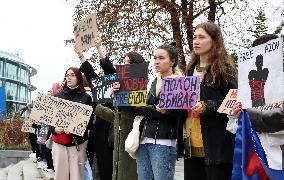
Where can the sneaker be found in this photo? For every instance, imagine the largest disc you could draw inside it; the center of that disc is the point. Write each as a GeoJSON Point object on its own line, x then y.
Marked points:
{"type": "Point", "coordinates": [41, 165]}
{"type": "Point", "coordinates": [32, 155]}
{"type": "Point", "coordinates": [48, 170]}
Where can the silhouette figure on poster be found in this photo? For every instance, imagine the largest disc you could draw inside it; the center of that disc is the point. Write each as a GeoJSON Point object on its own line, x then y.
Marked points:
{"type": "Point", "coordinates": [257, 79]}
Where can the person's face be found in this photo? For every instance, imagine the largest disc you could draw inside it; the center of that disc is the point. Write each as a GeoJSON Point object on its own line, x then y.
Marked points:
{"type": "Point", "coordinates": [162, 61]}
{"type": "Point", "coordinates": [126, 60]}
{"type": "Point", "coordinates": [202, 42]}
{"type": "Point", "coordinates": [71, 78]}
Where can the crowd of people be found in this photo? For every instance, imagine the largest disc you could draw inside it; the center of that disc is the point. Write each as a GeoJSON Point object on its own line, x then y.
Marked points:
{"type": "Point", "coordinates": [198, 134]}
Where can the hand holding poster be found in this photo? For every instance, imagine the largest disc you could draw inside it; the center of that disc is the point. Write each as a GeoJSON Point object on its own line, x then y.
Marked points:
{"type": "Point", "coordinates": [133, 79]}
{"type": "Point", "coordinates": [85, 32]}
{"type": "Point", "coordinates": [229, 101]}
{"type": "Point", "coordinates": [260, 75]}
{"type": "Point", "coordinates": [58, 112]}
{"type": "Point", "coordinates": [179, 93]}
{"type": "Point", "coordinates": [101, 89]}
{"type": "Point", "coordinates": [27, 126]}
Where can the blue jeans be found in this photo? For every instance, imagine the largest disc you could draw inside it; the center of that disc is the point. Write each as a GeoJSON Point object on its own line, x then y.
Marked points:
{"type": "Point", "coordinates": [88, 171]}
{"type": "Point", "coordinates": [156, 162]}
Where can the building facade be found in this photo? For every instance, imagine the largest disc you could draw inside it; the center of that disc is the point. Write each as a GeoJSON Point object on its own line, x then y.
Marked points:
{"type": "Point", "coordinates": [15, 76]}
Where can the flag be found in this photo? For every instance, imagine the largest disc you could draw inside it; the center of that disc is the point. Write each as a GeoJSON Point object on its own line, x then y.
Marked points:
{"type": "Point", "coordinates": [249, 157]}
{"type": "Point", "coordinates": [2, 103]}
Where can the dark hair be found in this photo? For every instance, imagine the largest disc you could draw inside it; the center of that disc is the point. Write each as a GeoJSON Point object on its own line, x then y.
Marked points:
{"type": "Point", "coordinates": [222, 66]}
{"type": "Point", "coordinates": [135, 57]}
{"type": "Point", "coordinates": [79, 77]}
{"type": "Point", "coordinates": [264, 39]}
{"type": "Point", "coordinates": [172, 51]}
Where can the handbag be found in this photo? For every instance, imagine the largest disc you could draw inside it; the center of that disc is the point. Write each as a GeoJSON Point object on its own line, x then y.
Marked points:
{"type": "Point", "coordinates": [132, 140]}
{"type": "Point", "coordinates": [62, 138]}
{"type": "Point", "coordinates": [49, 142]}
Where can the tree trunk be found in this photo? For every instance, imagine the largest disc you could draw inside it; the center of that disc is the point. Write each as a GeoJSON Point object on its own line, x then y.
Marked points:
{"type": "Point", "coordinates": [212, 10]}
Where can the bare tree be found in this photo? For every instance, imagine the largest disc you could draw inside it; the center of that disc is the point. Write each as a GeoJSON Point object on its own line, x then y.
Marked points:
{"type": "Point", "coordinates": [143, 25]}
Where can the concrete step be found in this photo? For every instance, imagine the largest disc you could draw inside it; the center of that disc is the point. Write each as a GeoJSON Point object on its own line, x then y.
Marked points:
{"type": "Point", "coordinates": [16, 171]}
{"type": "Point", "coordinates": [30, 171]}
{"type": "Point", "coordinates": [47, 175]}
{"type": "Point", "coordinates": [4, 172]}
{"type": "Point", "coordinates": [179, 171]}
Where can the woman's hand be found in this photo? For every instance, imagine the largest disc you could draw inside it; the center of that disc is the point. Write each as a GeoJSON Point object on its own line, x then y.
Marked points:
{"type": "Point", "coordinates": [59, 130]}
{"type": "Point", "coordinates": [66, 131]}
{"type": "Point", "coordinates": [237, 109]}
{"type": "Point", "coordinates": [98, 41]}
{"type": "Point", "coordinates": [163, 111]}
{"type": "Point", "coordinates": [115, 87]}
{"type": "Point", "coordinates": [198, 108]}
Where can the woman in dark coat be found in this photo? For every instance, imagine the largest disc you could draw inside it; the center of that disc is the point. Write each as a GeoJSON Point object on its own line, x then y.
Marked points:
{"type": "Point", "coordinates": [211, 145]}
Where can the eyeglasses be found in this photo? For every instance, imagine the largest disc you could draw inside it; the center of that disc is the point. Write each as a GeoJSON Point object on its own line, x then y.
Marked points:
{"type": "Point", "coordinates": [70, 75]}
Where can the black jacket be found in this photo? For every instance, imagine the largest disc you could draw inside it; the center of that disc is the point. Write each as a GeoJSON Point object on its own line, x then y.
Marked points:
{"type": "Point", "coordinates": [75, 95]}
{"type": "Point", "coordinates": [155, 124]}
{"type": "Point", "coordinates": [217, 141]}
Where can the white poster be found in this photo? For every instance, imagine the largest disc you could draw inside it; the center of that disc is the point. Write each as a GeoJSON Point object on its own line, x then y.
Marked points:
{"type": "Point", "coordinates": [260, 74]}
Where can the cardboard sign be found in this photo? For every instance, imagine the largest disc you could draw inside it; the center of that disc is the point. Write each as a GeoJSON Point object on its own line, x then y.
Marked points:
{"type": "Point", "coordinates": [179, 93]}
{"type": "Point", "coordinates": [133, 79]}
{"type": "Point", "coordinates": [58, 112]}
{"type": "Point", "coordinates": [260, 75]}
{"type": "Point", "coordinates": [229, 101]}
{"type": "Point", "coordinates": [27, 126]}
{"type": "Point", "coordinates": [271, 106]}
{"type": "Point", "coordinates": [101, 88]}
{"type": "Point", "coordinates": [130, 98]}
{"type": "Point", "coordinates": [85, 32]}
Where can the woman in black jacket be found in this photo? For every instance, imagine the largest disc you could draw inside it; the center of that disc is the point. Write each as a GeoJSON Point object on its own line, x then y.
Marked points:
{"type": "Point", "coordinates": [157, 153]}
{"type": "Point", "coordinates": [211, 145]}
{"type": "Point", "coordinates": [69, 158]}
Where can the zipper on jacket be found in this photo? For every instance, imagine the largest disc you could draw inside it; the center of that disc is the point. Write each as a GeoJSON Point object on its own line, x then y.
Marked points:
{"type": "Point", "coordinates": [157, 132]}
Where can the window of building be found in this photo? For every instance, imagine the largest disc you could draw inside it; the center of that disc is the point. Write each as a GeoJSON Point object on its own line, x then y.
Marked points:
{"type": "Point", "coordinates": [11, 71]}
{"type": "Point", "coordinates": [23, 75]}
{"type": "Point", "coordinates": [11, 91]}
{"type": "Point", "coordinates": [1, 67]}
{"type": "Point", "coordinates": [23, 93]}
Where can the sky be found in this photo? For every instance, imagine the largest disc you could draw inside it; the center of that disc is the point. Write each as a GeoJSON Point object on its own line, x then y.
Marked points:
{"type": "Point", "coordinates": [36, 30]}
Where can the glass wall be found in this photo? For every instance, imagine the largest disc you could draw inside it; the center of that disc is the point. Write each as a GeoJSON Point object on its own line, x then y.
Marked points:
{"type": "Point", "coordinates": [11, 71]}
{"type": "Point", "coordinates": [23, 93]}
{"type": "Point", "coordinates": [1, 67]}
{"type": "Point", "coordinates": [11, 91]}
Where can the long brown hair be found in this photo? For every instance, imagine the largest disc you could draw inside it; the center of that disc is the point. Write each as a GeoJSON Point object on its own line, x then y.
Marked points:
{"type": "Point", "coordinates": [79, 77]}
{"type": "Point", "coordinates": [222, 67]}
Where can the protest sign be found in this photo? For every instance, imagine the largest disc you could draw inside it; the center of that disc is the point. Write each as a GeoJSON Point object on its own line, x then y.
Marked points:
{"type": "Point", "coordinates": [101, 88]}
{"type": "Point", "coordinates": [85, 32]}
{"type": "Point", "coordinates": [179, 93]}
{"type": "Point", "coordinates": [260, 75]}
{"type": "Point", "coordinates": [130, 98]}
{"type": "Point", "coordinates": [58, 112]}
{"type": "Point", "coordinates": [27, 126]}
{"type": "Point", "coordinates": [271, 106]}
{"type": "Point", "coordinates": [133, 79]}
{"type": "Point", "coordinates": [229, 101]}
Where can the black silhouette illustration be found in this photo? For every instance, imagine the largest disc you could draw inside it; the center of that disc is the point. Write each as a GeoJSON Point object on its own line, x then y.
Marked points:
{"type": "Point", "coordinates": [257, 79]}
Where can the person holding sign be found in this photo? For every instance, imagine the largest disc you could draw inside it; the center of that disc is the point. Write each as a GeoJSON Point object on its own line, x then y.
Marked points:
{"type": "Point", "coordinates": [268, 123]}
{"type": "Point", "coordinates": [69, 150]}
{"type": "Point", "coordinates": [157, 152]}
{"type": "Point", "coordinates": [124, 167]}
{"type": "Point", "coordinates": [101, 134]}
{"type": "Point", "coordinates": [211, 146]}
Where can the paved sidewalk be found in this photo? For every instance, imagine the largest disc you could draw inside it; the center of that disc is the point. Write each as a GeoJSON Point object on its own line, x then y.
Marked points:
{"type": "Point", "coordinates": [179, 174]}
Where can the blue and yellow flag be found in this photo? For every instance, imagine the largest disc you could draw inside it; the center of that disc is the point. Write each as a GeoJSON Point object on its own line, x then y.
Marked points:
{"type": "Point", "coordinates": [249, 157]}
{"type": "Point", "coordinates": [2, 103]}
